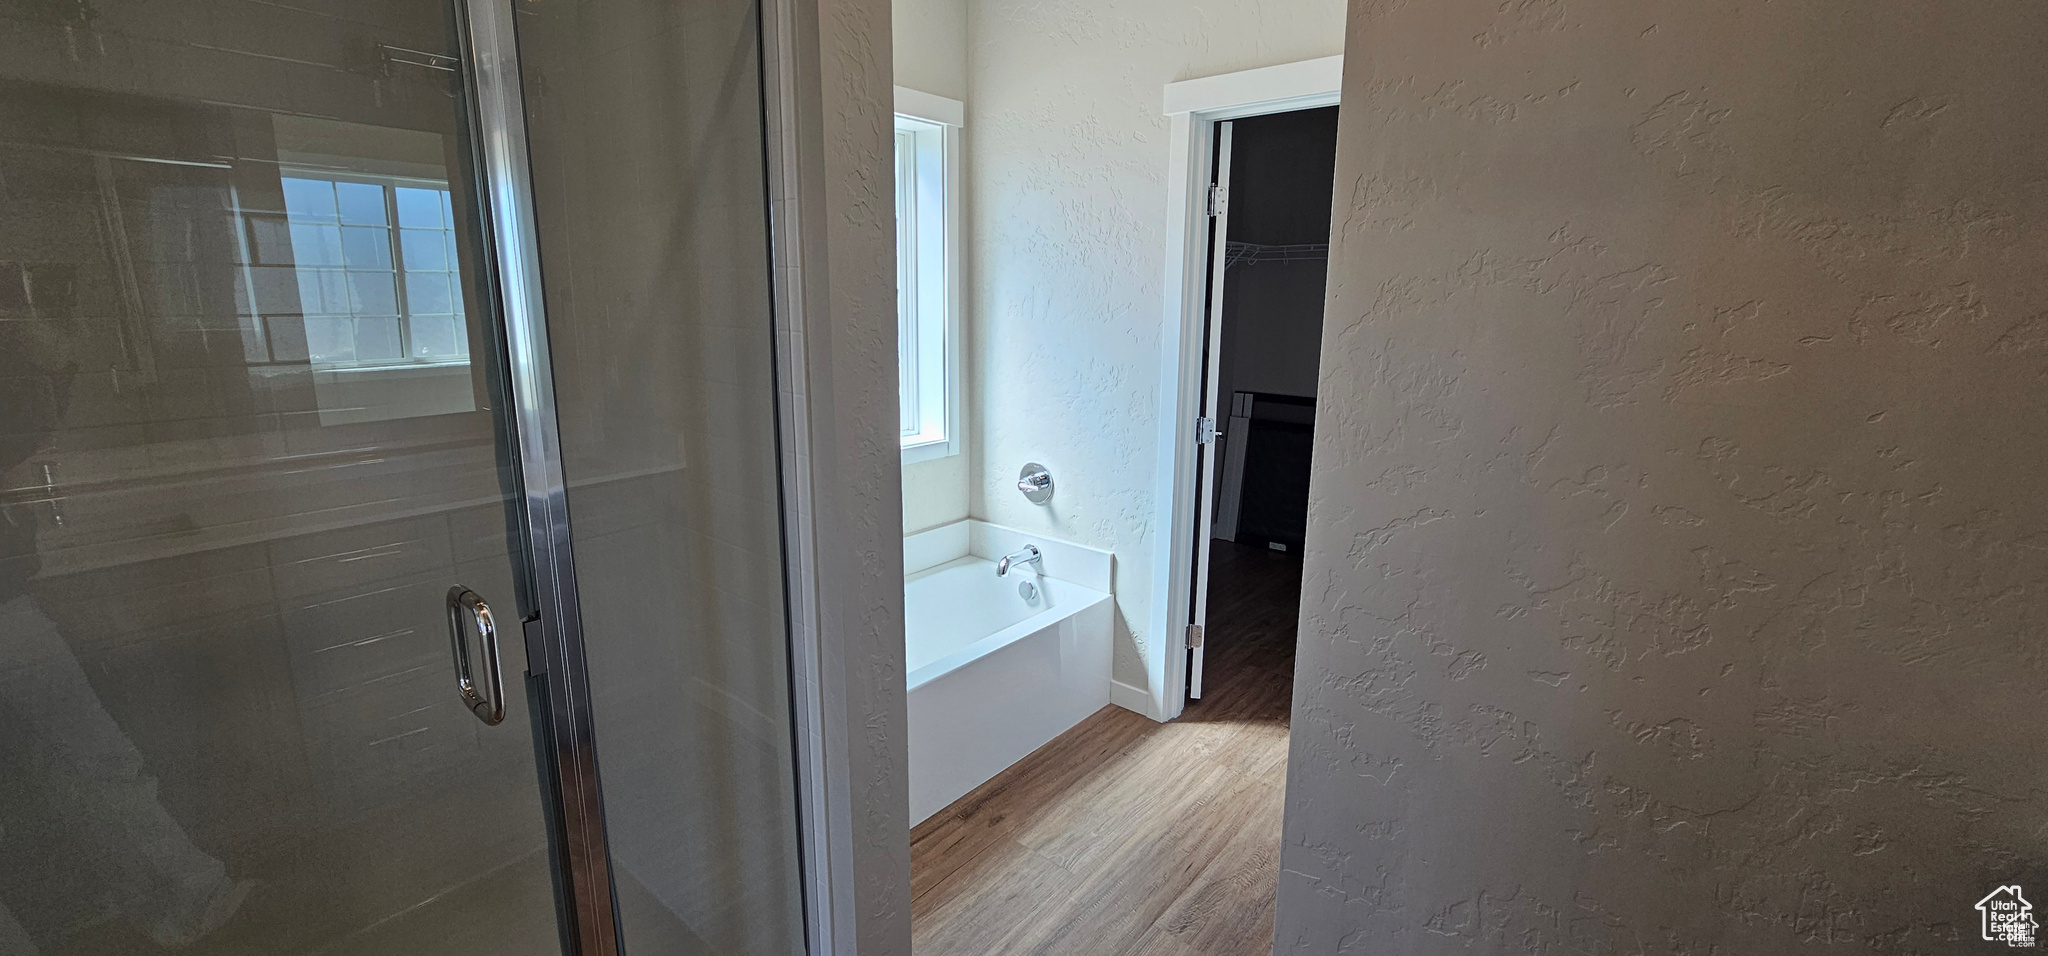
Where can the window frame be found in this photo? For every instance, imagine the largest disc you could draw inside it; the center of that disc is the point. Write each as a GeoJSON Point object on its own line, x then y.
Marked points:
{"type": "Point", "coordinates": [929, 188]}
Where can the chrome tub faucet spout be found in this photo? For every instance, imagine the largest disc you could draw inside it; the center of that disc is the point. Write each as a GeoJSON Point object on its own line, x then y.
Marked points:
{"type": "Point", "coordinates": [1027, 554]}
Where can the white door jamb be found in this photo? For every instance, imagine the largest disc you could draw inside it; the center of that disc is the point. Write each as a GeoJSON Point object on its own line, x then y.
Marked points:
{"type": "Point", "coordinates": [1194, 108]}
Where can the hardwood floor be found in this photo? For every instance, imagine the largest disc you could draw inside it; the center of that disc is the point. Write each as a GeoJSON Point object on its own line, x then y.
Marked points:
{"type": "Point", "coordinates": [1125, 836]}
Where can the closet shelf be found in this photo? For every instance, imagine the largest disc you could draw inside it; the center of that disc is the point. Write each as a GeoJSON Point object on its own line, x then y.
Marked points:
{"type": "Point", "coordinates": [1253, 253]}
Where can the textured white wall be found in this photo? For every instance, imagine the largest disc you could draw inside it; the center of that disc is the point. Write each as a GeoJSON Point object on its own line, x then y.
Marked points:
{"type": "Point", "coordinates": [845, 134]}
{"type": "Point", "coordinates": [1068, 152]}
{"type": "Point", "coordinates": [931, 56]}
{"type": "Point", "coordinates": [1678, 570]}
{"type": "Point", "coordinates": [934, 492]}
{"type": "Point", "coordinates": [930, 50]}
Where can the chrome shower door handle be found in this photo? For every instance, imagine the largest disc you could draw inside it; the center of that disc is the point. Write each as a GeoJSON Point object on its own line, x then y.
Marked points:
{"type": "Point", "coordinates": [490, 707]}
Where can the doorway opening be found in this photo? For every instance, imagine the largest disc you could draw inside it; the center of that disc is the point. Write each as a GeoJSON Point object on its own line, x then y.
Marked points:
{"type": "Point", "coordinates": [1126, 834]}
{"type": "Point", "coordinates": [1269, 211]}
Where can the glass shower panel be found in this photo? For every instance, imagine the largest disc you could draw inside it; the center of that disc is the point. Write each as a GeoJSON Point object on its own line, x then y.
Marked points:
{"type": "Point", "coordinates": [247, 446]}
{"type": "Point", "coordinates": [645, 124]}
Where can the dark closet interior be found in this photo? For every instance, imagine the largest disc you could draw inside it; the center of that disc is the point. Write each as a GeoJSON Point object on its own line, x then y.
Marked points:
{"type": "Point", "coordinates": [1280, 189]}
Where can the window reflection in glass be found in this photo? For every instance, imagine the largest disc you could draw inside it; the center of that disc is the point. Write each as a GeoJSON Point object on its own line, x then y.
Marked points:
{"type": "Point", "coordinates": [372, 295]}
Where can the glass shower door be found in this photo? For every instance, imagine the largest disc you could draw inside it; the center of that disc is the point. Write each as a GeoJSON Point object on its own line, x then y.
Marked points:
{"type": "Point", "coordinates": [645, 119]}
{"type": "Point", "coordinates": [253, 467]}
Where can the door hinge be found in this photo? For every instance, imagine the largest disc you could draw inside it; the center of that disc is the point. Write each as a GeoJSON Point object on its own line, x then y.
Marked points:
{"type": "Point", "coordinates": [1205, 430]}
{"type": "Point", "coordinates": [1194, 636]}
{"type": "Point", "coordinates": [1219, 199]}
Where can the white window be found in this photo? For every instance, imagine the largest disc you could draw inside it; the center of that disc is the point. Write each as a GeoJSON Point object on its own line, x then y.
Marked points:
{"type": "Point", "coordinates": [927, 272]}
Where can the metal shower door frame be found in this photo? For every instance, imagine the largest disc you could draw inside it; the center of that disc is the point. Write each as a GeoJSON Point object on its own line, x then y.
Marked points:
{"type": "Point", "coordinates": [554, 634]}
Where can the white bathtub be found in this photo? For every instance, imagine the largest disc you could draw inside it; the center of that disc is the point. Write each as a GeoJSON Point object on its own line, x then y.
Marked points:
{"type": "Point", "coordinates": [993, 676]}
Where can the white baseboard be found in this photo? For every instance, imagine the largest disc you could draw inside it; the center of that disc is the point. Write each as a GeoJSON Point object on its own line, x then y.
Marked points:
{"type": "Point", "coordinates": [1134, 699]}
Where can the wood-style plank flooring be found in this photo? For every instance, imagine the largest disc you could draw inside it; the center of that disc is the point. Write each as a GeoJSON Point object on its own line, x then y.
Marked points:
{"type": "Point", "coordinates": [1125, 836]}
